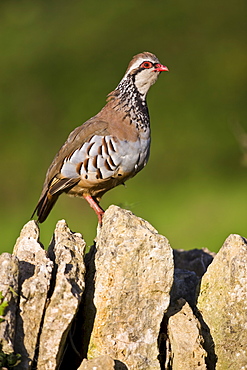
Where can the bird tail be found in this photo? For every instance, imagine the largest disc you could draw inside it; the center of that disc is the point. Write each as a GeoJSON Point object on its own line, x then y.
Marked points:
{"type": "Point", "coordinates": [44, 206]}
{"type": "Point", "coordinates": [50, 194]}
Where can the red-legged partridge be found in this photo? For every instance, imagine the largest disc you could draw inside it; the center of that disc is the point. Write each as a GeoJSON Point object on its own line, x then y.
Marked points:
{"type": "Point", "coordinates": [110, 147]}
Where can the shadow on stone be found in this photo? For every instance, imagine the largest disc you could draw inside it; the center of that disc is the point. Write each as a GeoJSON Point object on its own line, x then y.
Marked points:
{"type": "Point", "coordinates": [82, 326]}
{"type": "Point", "coordinates": [184, 286]}
{"type": "Point", "coordinates": [19, 346]}
{"type": "Point", "coordinates": [163, 339]}
{"type": "Point", "coordinates": [119, 365]}
{"type": "Point", "coordinates": [209, 346]}
{"type": "Point", "coordinates": [190, 266]}
{"type": "Point", "coordinates": [26, 270]}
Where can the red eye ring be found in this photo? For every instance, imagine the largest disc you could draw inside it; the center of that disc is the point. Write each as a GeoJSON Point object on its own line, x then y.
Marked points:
{"type": "Point", "coordinates": [147, 65]}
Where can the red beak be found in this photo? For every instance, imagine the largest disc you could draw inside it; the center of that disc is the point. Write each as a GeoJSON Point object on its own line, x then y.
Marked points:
{"type": "Point", "coordinates": [160, 68]}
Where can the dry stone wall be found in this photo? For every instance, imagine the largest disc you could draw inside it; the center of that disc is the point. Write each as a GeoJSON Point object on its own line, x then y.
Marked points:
{"type": "Point", "coordinates": [130, 303]}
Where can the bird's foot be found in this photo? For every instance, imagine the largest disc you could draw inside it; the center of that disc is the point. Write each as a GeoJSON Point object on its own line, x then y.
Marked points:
{"type": "Point", "coordinates": [96, 207]}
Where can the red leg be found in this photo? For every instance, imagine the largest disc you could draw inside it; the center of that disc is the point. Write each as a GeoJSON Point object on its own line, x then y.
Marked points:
{"type": "Point", "coordinates": [96, 207]}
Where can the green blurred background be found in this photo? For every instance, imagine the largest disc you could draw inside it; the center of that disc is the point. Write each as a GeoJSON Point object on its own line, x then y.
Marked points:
{"type": "Point", "coordinates": [59, 60]}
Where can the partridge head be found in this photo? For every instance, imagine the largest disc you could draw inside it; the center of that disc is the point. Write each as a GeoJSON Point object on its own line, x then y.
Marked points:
{"type": "Point", "coordinates": [110, 147]}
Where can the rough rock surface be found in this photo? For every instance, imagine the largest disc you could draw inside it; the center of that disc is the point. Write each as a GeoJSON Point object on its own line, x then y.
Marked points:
{"type": "Point", "coordinates": [223, 304]}
{"type": "Point", "coordinates": [134, 275]}
{"type": "Point", "coordinates": [67, 251]}
{"type": "Point", "coordinates": [9, 289]}
{"type": "Point", "coordinates": [185, 341]}
{"type": "Point", "coordinates": [34, 280]}
{"type": "Point", "coordinates": [135, 306]}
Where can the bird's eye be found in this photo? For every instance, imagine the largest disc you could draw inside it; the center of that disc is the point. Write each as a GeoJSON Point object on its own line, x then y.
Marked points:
{"type": "Point", "coordinates": [147, 65]}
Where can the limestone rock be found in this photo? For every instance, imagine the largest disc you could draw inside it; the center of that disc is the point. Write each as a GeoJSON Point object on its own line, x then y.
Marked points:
{"type": "Point", "coordinates": [134, 275]}
{"type": "Point", "coordinates": [9, 290]}
{"type": "Point", "coordinates": [131, 311]}
{"type": "Point", "coordinates": [222, 303]}
{"type": "Point", "coordinates": [186, 342]}
{"type": "Point", "coordinates": [99, 363]}
{"type": "Point", "coordinates": [34, 280]}
{"type": "Point", "coordinates": [67, 251]}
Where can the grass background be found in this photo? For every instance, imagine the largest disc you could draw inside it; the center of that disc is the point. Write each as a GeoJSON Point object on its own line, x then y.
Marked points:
{"type": "Point", "coordinates": [59, 60]}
